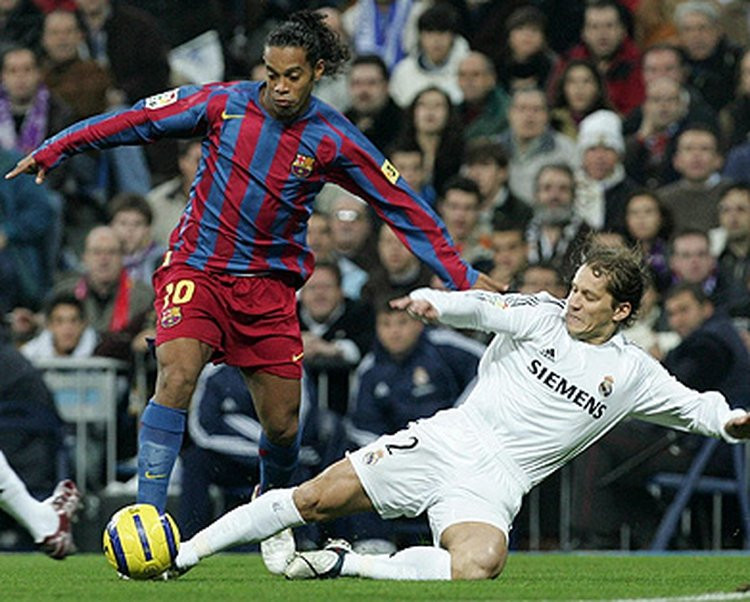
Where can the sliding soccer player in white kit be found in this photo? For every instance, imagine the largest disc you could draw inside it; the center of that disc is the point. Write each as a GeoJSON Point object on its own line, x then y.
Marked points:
{"type": "Point", "coordinates": [556, 378]}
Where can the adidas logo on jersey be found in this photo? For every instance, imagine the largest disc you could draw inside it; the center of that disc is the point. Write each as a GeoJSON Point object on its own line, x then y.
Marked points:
{"type": "Point", "coordinates": [548, 354]}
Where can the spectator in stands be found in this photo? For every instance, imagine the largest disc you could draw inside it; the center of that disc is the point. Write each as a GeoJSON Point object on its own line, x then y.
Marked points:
{"type": "Point", "coordinates": [602, 186]}
{"type": "Point", "coordinates": [735, 116]}
{"type": "Point", "coordinates": [712, 59]}
{"type": "Point", "coordinates": [484, 109]}
{"type": "Point", "coordinates": [530, 141]}
{"type": "Point", "coordinates": [580, 91]}
{"type": "Point", "coordinates": [336, 332]}
{"type": "Point", "coordinates": [734, 259]}
{"type": "Point", "coordinates": [82, 83]}
{"type": "Point", "coordinates": [408, 158]}
{"type": "Point", "coordinates": [130, 218]}
{"type": "Point", "coordinates": [435, 61]}
{"type": "Point", "coordinates": [693, 199]}
{"type": "Point", "coordinates": [319, 237]}
{"type": "Point", "coordinates": [116, 305]}
{"type": "Point", "coordinates": [20, 23]}
{"type": "Point", "coordinates": [524, 60]}
{"type": "Point", "coordinates": [605, 42]}
{"type": "Point", "coordinates": [353, 242]}
{"type": "Point", "coordinates": [486, 162]}
{"type": "Point", "coordinates": [509, 252]}
{"type": "Point", "coordinates": [411, 373]}
{"type": "Point", "coordinates": [138, 69]}
{"type": "Point", "coordinates": [28, 112]}
{"type": "Point", "coordinates": [538, 277]}
{"type": "Point", "coordinates": [711, 355]}
{"type": "Point", "coordinates": [29, 240]}
{"type": "Point", "coordinates": [379, 27]}
{"type": "Point", "coordinates": [667, 60]}
{"type": "Point", "coordinates": [649, 151]}
{"type": "Point", "coordinates": [649, 225]}
{"type": "Point", "coordinates": [372, 108]}
{"type": "Point", "coordinates": [433, 125]}
{"type": "Point", "coordinates": [556, 233]}
{"type": "Point", "coordinates": [66, 331]}
{"type": "Point", "coordinates": [168, 199]}
{"type": "Point", "coordinates": [459, 208]}
{"type": "Point", "coordinates": [691, 261]}
{"type": "Point", "coordinates": [399, 271]}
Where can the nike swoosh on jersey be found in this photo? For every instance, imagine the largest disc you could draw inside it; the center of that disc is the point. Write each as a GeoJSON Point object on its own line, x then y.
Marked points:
{"type": "Point", "coordinates": [298, 356]}
{"type": "Point", "coordinates": [151, 476]}
{"type": "Point", "coordinates": [225, 115]}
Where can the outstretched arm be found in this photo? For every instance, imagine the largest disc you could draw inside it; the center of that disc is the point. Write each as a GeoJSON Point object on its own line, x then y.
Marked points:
{"type": "Point", "coordinates": [181, 112]}
{"type": "Point", "coordinates": [27, 165]}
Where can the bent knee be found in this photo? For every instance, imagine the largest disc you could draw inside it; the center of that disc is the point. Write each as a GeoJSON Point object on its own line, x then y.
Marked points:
{"type": "Point", "coordinates": [309, 501]}
{"type": "Point", "coordinates": [475, 563]}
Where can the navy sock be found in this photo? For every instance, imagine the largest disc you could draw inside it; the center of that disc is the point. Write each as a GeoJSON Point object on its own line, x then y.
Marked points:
{"type": "Point", "coordinates": [277, 462]}
{"type": "Point", "coordinates": [159, 442]}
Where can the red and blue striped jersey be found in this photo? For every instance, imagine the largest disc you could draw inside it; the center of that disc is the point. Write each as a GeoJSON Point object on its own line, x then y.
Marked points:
{"type": "Point", "coordinates": [258, 178]}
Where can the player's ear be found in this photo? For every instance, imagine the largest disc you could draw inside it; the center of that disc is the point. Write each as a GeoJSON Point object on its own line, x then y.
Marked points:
{"type": "Point", "coordinates": [622, 312]}
{"type": "Point", "coordinates": [319, 69]}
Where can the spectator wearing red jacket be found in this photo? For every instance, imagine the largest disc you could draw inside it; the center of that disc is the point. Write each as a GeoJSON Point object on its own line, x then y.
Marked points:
{"type": "Point", "coordinates": [606, 43]}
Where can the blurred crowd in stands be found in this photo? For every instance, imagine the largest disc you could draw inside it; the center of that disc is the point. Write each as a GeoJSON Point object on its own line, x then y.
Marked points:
{"type": "Point", "coordinates": [528, 125]}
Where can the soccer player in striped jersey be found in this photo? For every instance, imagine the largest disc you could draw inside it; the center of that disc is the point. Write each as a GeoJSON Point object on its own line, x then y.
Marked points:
{"type": "Point", "coordinates": [226, 289]}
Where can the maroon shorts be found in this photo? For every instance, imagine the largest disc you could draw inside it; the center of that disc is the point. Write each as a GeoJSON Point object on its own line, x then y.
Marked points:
{"type": "Point", "coordinates": [251, 322]}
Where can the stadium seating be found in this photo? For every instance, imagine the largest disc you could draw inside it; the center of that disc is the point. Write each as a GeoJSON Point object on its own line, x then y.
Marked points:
{"type": "Point", "coordinates": [693, 482]}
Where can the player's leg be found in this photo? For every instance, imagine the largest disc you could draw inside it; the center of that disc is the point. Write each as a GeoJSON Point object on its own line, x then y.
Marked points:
{"type": "Point", "coordinates": [277, 402]}
{"type": "Point", "coordinates": [37, 518]}
{"type": "Point", "coordinates": [179, 363]}
{"type": "Point", "coordinates": [477, 550]}
{"type": "Point", "coordinates": [470, 550]}
{"type": "Point", "coordinates": [335, 492]}
{"type": "Point", "coordinates": [48, 522]}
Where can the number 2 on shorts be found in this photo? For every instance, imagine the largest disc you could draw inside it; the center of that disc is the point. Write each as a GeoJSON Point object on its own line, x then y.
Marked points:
{"type": "Point", "coordinates": [179, 292]}
{"type": "Point", "coordinates": [413, 441]}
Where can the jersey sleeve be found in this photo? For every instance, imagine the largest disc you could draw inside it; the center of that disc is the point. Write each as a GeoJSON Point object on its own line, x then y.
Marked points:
{"type": "Point", "coordinates": [362, 170]}
{"type": "Point", "coordinates": [176, 113]}
{"type": "Point", "coordinates": [518, 315]}
{"type": "Point", "coordinates": [663, 400]}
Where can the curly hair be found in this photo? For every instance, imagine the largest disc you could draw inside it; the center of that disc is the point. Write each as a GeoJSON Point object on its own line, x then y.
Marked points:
{"type": "Point", "coordinates": [307, 29]}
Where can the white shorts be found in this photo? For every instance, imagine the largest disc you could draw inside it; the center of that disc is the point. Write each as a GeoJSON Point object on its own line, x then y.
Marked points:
{"type": "Point", "coordinates": [439, 465]}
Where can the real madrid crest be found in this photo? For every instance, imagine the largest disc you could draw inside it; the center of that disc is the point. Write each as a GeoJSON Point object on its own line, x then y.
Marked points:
{"type": "Point", "coordinates": [606, 386]}
{"type": "Point", "coordinates": [302, 166]}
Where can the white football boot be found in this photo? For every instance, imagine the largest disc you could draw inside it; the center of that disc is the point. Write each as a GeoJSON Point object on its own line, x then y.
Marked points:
{"type": "Point", "coordinates": [278, 549]}
{"type": "Point", "coordinates": [319, 564]}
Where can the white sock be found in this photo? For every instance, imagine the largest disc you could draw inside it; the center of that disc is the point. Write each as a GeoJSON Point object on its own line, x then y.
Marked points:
{"type": "Point", "coordinates": [412, 564]}
{"type": "Point", "coordinates": [264, 516]}
{"type": "Point", "coordinates": [38, 518]}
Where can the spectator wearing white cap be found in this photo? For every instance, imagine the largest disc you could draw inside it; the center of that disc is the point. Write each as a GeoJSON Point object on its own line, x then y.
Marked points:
{"type": "Point", "coordinates": [601, 182]}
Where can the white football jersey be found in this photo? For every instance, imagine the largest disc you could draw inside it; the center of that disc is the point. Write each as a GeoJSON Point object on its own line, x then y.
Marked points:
{"type": "Point", "coordinates": [542, 397]}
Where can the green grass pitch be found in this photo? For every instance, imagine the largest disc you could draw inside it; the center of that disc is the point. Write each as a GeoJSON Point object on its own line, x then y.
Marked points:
{"type": "Point", "coordinates": [242, 577]}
